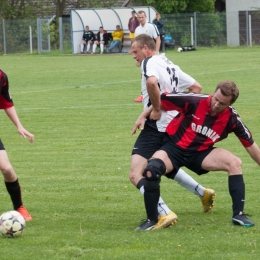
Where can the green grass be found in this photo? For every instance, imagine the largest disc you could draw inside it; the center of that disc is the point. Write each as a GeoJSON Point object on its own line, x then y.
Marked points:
{"type": "Point", "coordinates": [74, 177]}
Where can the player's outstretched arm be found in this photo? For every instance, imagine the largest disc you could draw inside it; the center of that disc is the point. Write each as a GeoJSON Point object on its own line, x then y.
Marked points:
{"type": "Point", "coordinates": [254, 152]}
{"type": "Point", "coordinates": [139, 123]}
{"type": "Point", "coordinates": [11, 113]}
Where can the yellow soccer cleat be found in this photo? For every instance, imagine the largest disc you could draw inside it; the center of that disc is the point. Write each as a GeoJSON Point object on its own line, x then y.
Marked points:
{"type": "Point", "coordinates": [208, 199]}
{"type": "Point", "coordinates": [166, 221]}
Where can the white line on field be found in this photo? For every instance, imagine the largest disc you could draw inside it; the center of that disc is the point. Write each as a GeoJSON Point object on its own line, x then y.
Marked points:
{"type": "Point", "coordinates": [78, 107]}
{"type": "Point", "coordinates": [83, 86]}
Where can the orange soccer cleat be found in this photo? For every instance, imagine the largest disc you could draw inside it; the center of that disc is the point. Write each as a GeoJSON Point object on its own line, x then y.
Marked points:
{"type": "Point", "coordinates": [139, 99]}
{"type": "Point", "coordinates": [24, 212]}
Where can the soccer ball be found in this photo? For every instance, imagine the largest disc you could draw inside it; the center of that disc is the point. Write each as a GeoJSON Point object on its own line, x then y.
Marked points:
{"type": "Point", "coordinates": [12, 224]}
{"type": "Point", "coordinates": [179, 49]}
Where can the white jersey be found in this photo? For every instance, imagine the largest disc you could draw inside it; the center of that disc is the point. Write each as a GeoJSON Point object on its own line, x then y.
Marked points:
{"type": "Point", "coordinates": [170, 79]}
{"type": "Point", "coordinates": [149, 29]}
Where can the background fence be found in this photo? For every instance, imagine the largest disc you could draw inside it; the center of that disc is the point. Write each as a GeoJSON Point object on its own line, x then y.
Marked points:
{"type": "Point", "coordinates": [199, 29]}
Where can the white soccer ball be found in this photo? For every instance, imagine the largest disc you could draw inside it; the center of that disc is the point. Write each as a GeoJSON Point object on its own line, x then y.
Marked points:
{"type": "Point", "coordinates": [12, 224]}
{"type": "Point", "coordinates": [179, 49]}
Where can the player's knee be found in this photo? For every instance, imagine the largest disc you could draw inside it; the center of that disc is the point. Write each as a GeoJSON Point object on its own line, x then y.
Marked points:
{"type": "Point", "coordinates": [132, 177]}
{"type": "Point", "coordinates": [7, 170]}
{"type": "Point", "coordinates": [235, 164]}
{"type": "Point", "coordinates": [135, 175]}
{"type": "Point", "coordinates": [154, 169]}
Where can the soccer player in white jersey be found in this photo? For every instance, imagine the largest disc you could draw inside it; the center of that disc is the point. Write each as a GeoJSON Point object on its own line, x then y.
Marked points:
{"type": "Point", "coordinates": [164, 76]}
{"type": "Point", "coordinates": [149, 29]}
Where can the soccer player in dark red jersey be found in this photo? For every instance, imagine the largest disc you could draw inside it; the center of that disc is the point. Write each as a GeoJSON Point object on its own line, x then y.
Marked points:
{"type": "Point", "coordinates": [10, 177]}
{"type": "Point", "coordinates": [203, 121]}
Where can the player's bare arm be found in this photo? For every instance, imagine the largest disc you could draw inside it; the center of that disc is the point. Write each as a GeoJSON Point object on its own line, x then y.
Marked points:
{"type": "Point", "coordinates": [11, 113]}
{"type": "Point", "coordinates": [196, 87]}
{"type": "Point", "coordinates": [154, 94]}
{"type": "Point", "coordinates": [158, 44]}
{"type": "Point", "coordinates": [139, 123]}
{"type": "Point", "coordinates": [254, 152]}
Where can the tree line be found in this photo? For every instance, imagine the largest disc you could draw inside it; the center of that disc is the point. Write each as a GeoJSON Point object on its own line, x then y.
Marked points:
{"type": "Point", "coordinates": [20, 9]}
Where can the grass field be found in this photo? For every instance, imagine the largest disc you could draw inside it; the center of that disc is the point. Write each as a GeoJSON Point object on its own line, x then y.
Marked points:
{"type": "Point", "coordinates": [74, 177]}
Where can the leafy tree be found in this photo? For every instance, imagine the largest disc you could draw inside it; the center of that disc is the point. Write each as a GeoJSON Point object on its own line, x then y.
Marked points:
{"type": "Point", "coordinates": [165, 6]}
{"type": "Point", "coordinates": [179, 6]}
{"type": "Point", "coordinates": [203, 6]}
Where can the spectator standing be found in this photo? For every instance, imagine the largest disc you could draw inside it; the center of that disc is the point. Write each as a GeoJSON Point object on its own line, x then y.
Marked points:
{"type": "Point", "coordinates": [102, 39]}
{"type": "Point", "coordinates": [87, 38]}
{"type": "Point", "coordinates": [158, 21]}
{"type": "Point", "coordinates": [133, 23]}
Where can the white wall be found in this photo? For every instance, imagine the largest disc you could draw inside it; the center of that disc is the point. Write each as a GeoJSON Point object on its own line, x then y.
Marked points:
{"type": "Point", "coordinates": [232, 9]}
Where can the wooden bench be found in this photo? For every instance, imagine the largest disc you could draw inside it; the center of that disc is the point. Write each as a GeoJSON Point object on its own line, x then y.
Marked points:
{"type": "Point", "coordinates": [125, 46]}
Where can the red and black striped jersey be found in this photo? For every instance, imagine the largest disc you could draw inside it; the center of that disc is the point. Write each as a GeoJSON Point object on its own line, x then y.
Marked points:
{"type": "Point", "coordinates": [5, 98]}
{"type": "Point", "coordinates": [196, 128]}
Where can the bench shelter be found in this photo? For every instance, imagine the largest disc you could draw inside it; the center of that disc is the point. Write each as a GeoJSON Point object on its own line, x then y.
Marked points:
{"type": "Point", "coordinates": [106, 17]}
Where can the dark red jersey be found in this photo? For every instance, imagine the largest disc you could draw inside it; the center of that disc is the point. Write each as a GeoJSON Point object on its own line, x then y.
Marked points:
{"type": "Point", "coordinates": [5, 98]}
{"type": "Point", "coordinates": [195, 128]}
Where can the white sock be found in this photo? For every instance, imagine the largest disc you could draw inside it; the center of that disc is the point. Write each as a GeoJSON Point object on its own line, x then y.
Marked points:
{"type": "Point", "coordinates": [88, 47]}
{"type": "Point", "coordinates": [94, 47]}
{"type": "Point", "coordinates": [162, 208]}
{"type": "Point", "coordinates": [186, 181]}
{"type": "Point", "coordinates": [81, 47]}
{"type": "Point", "coordinates": [101, 47]}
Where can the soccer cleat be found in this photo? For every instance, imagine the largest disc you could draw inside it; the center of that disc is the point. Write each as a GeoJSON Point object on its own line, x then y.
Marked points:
{"type": "Point", "coordinates": [87, 52]}
{"type": "Point", "coordinates": [24, 212]}
{"type": "Point", "coordinates": [81, 53]}
{"type": "Point", "coordinates": [92, 53]}
{"type": "Point", "coordinates": [208, 199]}
{"type": "Point", "coordinates": [101, 52]}
{"type": "Point", "coordinates": [166, 221]}
{"type": "Point", "coordinates": [242, 220]}
{"type": "Point", "coordinates": [146, 224]}
{"type": "Point", "coordinates": [139, 99]}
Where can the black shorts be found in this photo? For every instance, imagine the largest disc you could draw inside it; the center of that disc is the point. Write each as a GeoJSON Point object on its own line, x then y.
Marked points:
{"type": "Point", "coordinates": [183, 157]}
{"type": "Point", "coordinates": [148, 142]}
{"type": "Point", "coordinates": [1, 145]}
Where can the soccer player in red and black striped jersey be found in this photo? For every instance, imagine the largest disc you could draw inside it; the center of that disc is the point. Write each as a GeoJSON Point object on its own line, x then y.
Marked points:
{"type": "Point", "coordinates": [10, 177]}
{"type": "Point", "coordinates": [203, 121]}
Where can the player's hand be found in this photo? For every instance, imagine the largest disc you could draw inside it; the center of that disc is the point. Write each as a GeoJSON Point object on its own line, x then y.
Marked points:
{"type": "Point", "coordinates": [24, 133]}
{"type": "Point", "coordinates": [139, 124]}
{"type": "Point", "coordinates": [155, 115]}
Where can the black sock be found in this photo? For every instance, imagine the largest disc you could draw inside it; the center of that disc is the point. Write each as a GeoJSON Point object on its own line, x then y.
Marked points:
{"type": "Point", "coordinates": [237, 192]}
{"type": "Point", "coordinates": [140, 183]}
{"type": "Point", "coordinates": [151, 198]}
{"type": "Point", "coordinates": [14, 191]}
